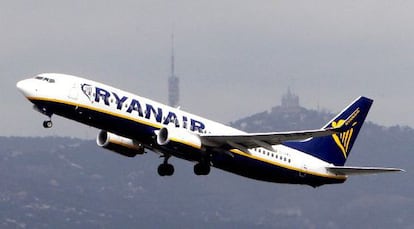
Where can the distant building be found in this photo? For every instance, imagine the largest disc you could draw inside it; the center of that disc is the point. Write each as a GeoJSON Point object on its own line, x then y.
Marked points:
{"type": "Point", "coordinates": [290, 102]}
{"type": "Point", "coordinates": [173, 81]}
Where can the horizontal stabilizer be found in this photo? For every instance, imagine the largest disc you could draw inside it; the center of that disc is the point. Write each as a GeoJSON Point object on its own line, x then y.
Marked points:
{"type": "Point", "coordinates": [346, 170]}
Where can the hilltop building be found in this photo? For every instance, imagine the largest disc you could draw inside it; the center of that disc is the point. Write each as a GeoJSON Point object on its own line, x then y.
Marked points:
{"type": "Point", "coordinates": [290, 102]}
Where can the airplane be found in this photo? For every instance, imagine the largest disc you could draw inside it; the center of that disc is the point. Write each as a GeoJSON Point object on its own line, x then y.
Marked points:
{"type": "Point", "coordinates": [132, 125]}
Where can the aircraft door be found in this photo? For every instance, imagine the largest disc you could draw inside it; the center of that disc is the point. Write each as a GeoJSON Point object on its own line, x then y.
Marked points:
{"type": "Point", "coordinates": [74, 92]}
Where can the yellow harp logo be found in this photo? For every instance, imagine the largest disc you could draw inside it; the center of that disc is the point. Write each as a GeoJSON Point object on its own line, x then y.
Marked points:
{"type": "Point", "coordinates": [343, 139]}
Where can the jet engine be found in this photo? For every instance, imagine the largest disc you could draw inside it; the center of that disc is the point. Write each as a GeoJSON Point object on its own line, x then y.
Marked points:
{"type": "Point", "coordinates": [176, 135]}
{"type": "Point", "coordinates": [121, 145]}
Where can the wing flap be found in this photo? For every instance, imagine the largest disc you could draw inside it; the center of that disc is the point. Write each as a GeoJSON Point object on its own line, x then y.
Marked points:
{"type": "Point", "coordinates": [347, 170]}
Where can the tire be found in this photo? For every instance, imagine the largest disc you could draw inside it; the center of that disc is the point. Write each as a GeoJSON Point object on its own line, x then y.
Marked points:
{"type": "Point", "coordinates": [201, 169]}
{"type": "Point", "coordinates": [165, 170]}
{"type": "Point", "coordinates": [47, 124]}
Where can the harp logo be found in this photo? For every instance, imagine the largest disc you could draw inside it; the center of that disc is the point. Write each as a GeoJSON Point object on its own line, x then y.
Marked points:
{"type": "Point", "coordinates": [87, 90]}
{"type": "Point", "coordinates": [343, 140]}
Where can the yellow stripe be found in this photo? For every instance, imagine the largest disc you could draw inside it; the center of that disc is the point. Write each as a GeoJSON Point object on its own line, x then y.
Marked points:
{"type": "Point", "coordinates": [98, 110]}
{"type": "Point", "coordinates": [241, 153]}
{"type": "Point", "coordinates": [185, 143]}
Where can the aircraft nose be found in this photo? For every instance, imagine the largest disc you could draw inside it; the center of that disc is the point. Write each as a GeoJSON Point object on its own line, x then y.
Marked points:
{"type": "Point", "coordinates": [20, 85]}
{"type": "Point", "coordinates": [24, 87]}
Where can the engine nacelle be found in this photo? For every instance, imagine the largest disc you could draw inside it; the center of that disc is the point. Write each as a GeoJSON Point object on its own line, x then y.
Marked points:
{"type": "Point", "coordinates": [177, 135]}
{"type": "Point", "coordinates": [121, 145]}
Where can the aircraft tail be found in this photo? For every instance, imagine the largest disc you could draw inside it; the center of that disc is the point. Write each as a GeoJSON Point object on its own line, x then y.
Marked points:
{"type": "Point", "coordinates": [335, 149]}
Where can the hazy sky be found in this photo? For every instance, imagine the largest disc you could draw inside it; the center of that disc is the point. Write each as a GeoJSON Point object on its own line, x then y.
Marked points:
{"type": "Point", "coordinates": [234, 57]}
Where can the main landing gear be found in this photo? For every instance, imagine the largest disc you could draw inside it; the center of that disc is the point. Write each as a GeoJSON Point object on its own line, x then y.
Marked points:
{"type": "Point", "coordinates": [202, 168]}
{"type": "Point", "coordinates": [166, 169]}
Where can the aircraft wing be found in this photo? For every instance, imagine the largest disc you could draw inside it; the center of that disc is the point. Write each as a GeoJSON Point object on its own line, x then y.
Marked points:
{"type": "Point", "coordinates": [266, 140]}
{"type": "Point", "coordinates": [346, 170]}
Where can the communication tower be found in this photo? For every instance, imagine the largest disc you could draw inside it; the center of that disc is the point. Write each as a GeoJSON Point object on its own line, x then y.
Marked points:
{"type": "Point", "coordinates": [173, 81]}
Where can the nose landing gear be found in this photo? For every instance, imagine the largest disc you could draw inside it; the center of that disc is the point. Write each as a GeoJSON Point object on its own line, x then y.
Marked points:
{"type": "Point", "coordinates": [48, 124]}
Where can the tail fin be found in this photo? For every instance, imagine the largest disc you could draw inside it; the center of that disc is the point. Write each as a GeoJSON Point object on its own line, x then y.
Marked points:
{"type": "Point", "coordinates": [335, 148]}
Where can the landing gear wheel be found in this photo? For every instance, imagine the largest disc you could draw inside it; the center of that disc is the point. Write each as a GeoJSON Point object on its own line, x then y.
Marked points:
{"type": "Point", "coordinates": [170, 169]}
{"type": "Point", "coordinates": [166, 170]}
{"type": "Point", "coordinates": [201, 169]}
{"type": "Point", "coordinates": [161, 170]}
{"type": "Point", "coordinates": [47, 124]}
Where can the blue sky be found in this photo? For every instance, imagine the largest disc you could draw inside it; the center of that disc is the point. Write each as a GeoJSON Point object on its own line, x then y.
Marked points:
{"type": "Point", "coordinates": [234, 58]}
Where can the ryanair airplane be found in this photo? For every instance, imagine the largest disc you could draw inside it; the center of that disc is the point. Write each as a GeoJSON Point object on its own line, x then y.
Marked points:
{"type": "Point", "coordinates": [131, 124]}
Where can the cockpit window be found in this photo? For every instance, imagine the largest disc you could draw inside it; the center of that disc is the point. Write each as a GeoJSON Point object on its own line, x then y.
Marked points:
{"type": "Point", "coordinates": [49, 80]}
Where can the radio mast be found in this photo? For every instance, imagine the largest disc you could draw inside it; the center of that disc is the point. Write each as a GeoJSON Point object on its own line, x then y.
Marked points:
{"type": "Point", "coordinates": [173, 81]}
